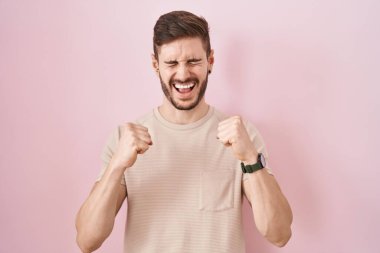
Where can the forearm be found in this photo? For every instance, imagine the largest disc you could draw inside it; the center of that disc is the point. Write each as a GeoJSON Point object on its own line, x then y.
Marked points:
{"type": "Point", "coordinates": [96, 217]}
{"type": "Point", "coordinates": [272, 213]}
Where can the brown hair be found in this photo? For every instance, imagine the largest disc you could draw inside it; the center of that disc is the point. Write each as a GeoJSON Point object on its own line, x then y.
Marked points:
{"type": "Point", "coordinates": [180, 24]}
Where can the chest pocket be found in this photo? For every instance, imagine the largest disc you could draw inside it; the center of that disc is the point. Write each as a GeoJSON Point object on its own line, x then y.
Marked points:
{"type": "Point", "coordinates": [216, 190]}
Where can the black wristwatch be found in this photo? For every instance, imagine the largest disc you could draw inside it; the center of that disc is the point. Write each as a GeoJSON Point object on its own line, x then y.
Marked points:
{"type": "Point", "coordinates": [254, 167]}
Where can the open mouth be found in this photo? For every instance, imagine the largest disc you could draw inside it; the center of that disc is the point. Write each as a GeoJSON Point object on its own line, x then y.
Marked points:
{"type": "Point", "coordinates": [185, 87]}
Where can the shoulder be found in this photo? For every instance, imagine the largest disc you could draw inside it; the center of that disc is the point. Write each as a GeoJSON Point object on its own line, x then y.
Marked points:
{"type": "Point", "coordinates": [251, 129]}
{"type": "Point", "coordinates": [146, 118]}
{"type": "Point", "coordinates": [219, 115]}
{"type": "Point", "coordinates": [142, 120]}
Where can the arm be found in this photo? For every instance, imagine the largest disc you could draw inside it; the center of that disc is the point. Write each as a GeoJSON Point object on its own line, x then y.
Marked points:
{"type": "Point", "coordinates": [96, 217]}
{"type": "Point", "coordinates": [271, 211]}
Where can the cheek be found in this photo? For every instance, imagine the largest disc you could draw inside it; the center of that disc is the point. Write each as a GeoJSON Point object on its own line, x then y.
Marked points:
{"type": "Point", "coordinates": [166, 80]}
{"type": "Point", "coordinates": [200, 71]}
{"type": "Point", "coordinates": [165, 76]}
{"type": "Point", "coordinates": [201, 74]}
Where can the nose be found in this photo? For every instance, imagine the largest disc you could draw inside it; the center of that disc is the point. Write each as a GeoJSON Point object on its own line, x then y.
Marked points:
{"type": "Point", "coordinates": [183, 72]}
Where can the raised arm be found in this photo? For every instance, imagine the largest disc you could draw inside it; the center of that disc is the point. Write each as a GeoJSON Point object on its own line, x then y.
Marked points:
{"type": "Point", "coordinates": [271, 211]}
{"type": "Point", "coordinates": [96, 216]}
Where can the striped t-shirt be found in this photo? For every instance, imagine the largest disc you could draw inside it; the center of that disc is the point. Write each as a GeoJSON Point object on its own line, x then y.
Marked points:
{"type": "Point", "coordinates": [185, 193]}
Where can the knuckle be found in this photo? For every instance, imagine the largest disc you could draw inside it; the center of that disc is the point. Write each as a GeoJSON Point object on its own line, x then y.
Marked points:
{"type": "Point", "coordinates": [129, 125]}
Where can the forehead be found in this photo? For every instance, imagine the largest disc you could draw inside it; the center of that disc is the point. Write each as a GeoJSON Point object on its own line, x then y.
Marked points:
{"type": "Point", "coordinates": [183, 48]}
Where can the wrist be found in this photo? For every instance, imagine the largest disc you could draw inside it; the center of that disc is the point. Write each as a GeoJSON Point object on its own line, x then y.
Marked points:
{"type": "Point", "coordinates": [117, 166]}
{"type": "Point", "coordinates": [252, 165]}
{"type": "Point", "coordinates": [251, 159]}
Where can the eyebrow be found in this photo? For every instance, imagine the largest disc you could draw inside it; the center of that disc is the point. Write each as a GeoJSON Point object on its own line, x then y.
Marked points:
{"type": "Point", "coordinates": [194, 60]}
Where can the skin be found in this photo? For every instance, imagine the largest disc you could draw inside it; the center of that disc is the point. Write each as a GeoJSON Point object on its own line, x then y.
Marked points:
{"type": "Point", "coordinates": [271, 211]}
{"type": "Point", "coordinates": [182, 61]}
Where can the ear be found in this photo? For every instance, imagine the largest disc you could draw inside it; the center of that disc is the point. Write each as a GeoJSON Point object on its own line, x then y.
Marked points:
{"type": "Point", "coordinates": [155, 64]}
{"type": "Point", "coordinates": [211, 60]}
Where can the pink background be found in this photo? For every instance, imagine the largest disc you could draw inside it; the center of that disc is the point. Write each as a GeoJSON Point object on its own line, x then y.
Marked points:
{"type": "Point", "coordinates": [306, 73]}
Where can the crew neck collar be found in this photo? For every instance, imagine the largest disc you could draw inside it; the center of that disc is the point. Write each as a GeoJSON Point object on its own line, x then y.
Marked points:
{"type": "Point", "coordinates": [191, 125]}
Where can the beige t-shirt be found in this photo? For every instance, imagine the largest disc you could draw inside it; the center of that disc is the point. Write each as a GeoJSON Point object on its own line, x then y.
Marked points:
{"type": "Point", "coordinates": [185, 193]}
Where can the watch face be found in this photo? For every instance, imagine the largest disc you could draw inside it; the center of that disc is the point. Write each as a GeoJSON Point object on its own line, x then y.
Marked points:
{"type": "Point", "coordinates": [262, 160]}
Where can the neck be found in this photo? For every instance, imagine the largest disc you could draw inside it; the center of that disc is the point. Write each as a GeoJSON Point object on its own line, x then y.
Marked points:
{"type": "Point", "coordinates": [173, 115]}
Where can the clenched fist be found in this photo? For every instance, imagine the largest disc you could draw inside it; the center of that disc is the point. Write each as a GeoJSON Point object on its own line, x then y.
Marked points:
{"type": "Point", "coordinates": [134, 140]}
{"type": "Point", "coordinates": [232, 133]}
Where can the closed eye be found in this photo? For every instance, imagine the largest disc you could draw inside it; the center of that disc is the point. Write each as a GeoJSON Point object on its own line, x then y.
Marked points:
{"type": "Point", "coordinates": [194, 61]}
{"type": "Point", "coordinates": [171, 63]}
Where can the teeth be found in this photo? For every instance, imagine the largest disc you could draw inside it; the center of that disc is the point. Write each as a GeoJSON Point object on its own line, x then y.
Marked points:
{"type": "Point", "coordinates": [184, 86]}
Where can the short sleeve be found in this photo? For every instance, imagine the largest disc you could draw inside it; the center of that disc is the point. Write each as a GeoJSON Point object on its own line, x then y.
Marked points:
{"type": "Point", "coordinates": [259, 144]}
{"type": "Point", "coordinates": [108, 151]}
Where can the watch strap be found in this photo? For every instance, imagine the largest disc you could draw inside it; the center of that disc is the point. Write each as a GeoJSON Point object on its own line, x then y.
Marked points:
{"type": "Point", "coordinates": [251, 168]}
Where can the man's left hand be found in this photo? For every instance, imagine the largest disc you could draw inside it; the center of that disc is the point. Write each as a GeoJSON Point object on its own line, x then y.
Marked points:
{"type": "Point", "coordinates": [232, 132]}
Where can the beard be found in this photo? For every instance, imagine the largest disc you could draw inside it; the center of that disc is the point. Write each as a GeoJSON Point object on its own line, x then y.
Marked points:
{"type": "Point", "coordinates": [167, 89]}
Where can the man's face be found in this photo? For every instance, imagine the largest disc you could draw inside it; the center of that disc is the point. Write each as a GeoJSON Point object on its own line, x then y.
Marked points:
{"type": "Point", "coordinates": [183, 70]}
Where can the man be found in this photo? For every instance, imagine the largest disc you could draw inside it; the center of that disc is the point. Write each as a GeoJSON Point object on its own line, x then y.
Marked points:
{"type": "Point", "coordinates": [184, 167]}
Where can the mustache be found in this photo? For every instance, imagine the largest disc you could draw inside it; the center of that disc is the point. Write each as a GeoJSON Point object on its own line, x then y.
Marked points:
{"type": "Point", "coordinates": [190, 79]}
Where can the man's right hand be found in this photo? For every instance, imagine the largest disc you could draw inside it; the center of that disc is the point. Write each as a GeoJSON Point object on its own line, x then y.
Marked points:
{"type": "Point", "coordinates": [135, 139]}
{"type": "Point", "coordinates": [96, 217]}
